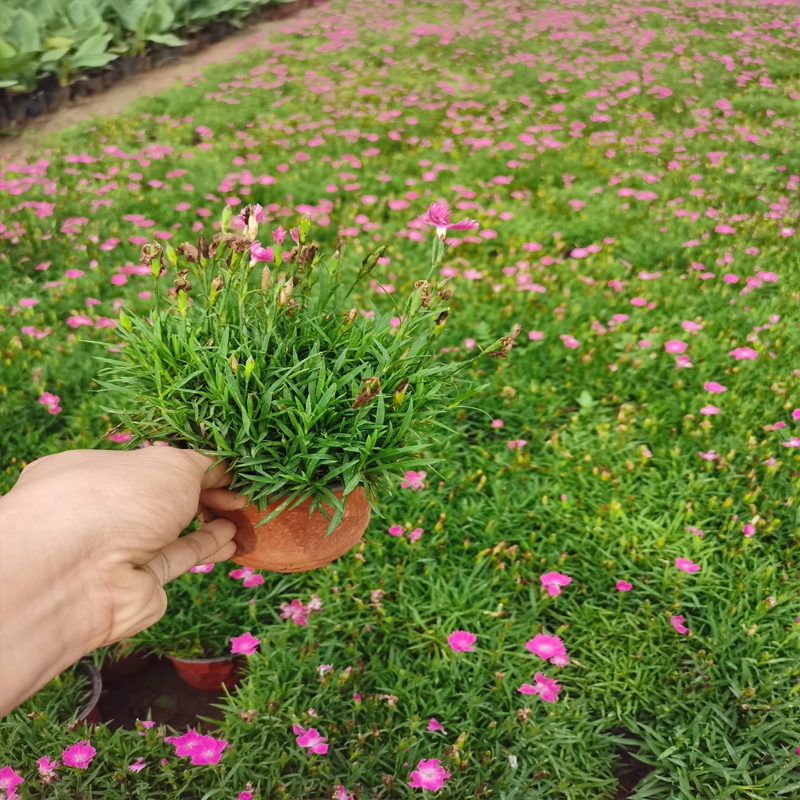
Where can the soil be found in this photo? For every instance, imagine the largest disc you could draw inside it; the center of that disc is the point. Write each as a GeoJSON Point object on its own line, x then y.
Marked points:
{"type": "Point", "coordinates": [157, 691]}
{"type": "Point", "coordinates": [119, 97]}
{"type": "Point", "coordinates": [629, 774]}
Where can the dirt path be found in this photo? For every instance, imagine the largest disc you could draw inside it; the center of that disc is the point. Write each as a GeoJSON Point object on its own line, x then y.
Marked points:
{"type": "Point", "coordinates": [119, 97]}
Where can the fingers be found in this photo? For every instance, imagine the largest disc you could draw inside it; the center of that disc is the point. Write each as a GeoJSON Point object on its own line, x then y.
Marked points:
{"type": "Point", "coordinates": [222, 500]}
{"type": "Point", "coordinates": [214, 478]}
{"type": "Point", "coordinates": [212, 541]}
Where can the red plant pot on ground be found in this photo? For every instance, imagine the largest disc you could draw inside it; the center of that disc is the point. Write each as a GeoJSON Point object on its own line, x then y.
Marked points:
{"type": "Point", "coordinates": [208, 674]}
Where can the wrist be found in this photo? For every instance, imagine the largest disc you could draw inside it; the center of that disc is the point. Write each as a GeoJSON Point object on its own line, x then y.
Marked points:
{"type": "Point", "coordinates": [46, 622]}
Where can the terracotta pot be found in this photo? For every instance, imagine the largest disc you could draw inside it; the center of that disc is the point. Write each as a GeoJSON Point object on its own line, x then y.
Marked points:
{"type": "Point", "coordinates": [293, 541]}
{"type": "Point", "coordinates": [208, 674]}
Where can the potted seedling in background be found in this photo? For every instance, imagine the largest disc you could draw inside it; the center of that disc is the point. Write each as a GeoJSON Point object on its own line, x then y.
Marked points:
{"type": "Point", "coordinates": [258, 355]}
{"type": "Point", "coordinates": [207, 606]}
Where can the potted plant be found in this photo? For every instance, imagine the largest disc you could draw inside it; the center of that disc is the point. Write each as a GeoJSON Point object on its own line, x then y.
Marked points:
{"type": "Point", "coordinates": [207, 607]}
{"type": "Point", "coordinates": [260, 356]}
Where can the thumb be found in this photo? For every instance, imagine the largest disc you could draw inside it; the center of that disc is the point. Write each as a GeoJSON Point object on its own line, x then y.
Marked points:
{"type": "Point", "coordinates": [213, 540]}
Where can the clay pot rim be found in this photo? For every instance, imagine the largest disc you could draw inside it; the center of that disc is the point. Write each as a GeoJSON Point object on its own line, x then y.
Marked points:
{"type": "Point", "coordinates": [210, 660]}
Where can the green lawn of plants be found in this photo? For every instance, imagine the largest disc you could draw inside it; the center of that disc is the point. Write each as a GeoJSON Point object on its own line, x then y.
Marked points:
{"type": "Point", "coordinates": [626, 481]}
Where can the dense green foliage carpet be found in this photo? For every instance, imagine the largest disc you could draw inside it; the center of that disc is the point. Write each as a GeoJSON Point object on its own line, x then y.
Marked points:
{"type": "Point", "coordinates": [634, 172]}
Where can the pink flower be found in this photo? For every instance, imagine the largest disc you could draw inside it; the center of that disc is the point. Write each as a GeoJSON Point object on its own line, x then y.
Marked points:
{"type": "Point", "coordinates": [517, 443]}
{"type": "Point", "coordinates": [146, 724]}
{"type": "Point", "coordinates": [714, 388]}
{"type": "Point", "coordinates": [202, 568]}
{"type": "Point", "coordinates": [28, 302]}
{"type": "Point", "coordinates": [677, 623]}
{"type": "Point", "coordinates": [413, 480]}
{"type": "Point", "coordinates": [438, 215]}
{"type": "Point", "coordinates": [691, 327]}
{"type": "Point", "coordinates": [251, 577]}
{"type": "Point", "coordinates": [396, 530]}
{"type": "Point", "coordinates": [434, 725]}
{"type": "Point", "coordinates": [709, 410]}
{"type": "Point", "coordinates": [546, 646]}
{"type": "Point", "coordinates": [246, 644]}
{"type": "Point", "coordinates": [340, 793]}
{"type": "Point", "coordinates": [259, 253]}
{"type": "Point", "coordinates": [462, 641]}
{"type": "Point", "coordinates": [47, 767]}
{"type": "Point", "coordinates": [624, 586]}
{"type": "Point", "coordinates": [793, 442]}
{"type": "Point", "coordinates": [311, 739]}
{"type": "Point", "coordinates": [749, 530]}
{"type": "Point", "coordinates": [428, 775]}
{"type": "Point", "coordinates": [497, 423]}
{"type": "Point", "coordinates": [244, 796]}
{"type": "Point", "coordinates": [210, 751]}
{"type": "Point", "coordinates": [698, 532]}
{"type": "Point", "coordinates": [675, 346]}
{"type": "Point", "coordinates": [202, 749]}
{"type": "Point", "coordinates": [415, 534]}
{"type": "Point", "coordinates": [687, 565]}
{"type": "Point", "coordinates": [553, 581]}
{"type": "Point", "coordinates": [119, 438]}
{"type": "Point", "coordinates": [79, 755]}
{"type": "Point", "coordinates": [296, 611]}
{"type": "Point", "coordinates": [545, 687]}
{"type": "Point", "coordinates": [683, 362]}
{"type": "Point", "coordinates": [137, 765]}
{"type": "Point", "coordinates": [709, 456]}
{"type": "Point", "coordinates": [9, 780]}
{"type": "Point", "coordinates": [535, 336]}
{"type": "Point", "coordinates": [744, 352]}
{"type": "Point", "coordinates": [796, 414]}
{"type": "Point", "coordinates": [278, 235]}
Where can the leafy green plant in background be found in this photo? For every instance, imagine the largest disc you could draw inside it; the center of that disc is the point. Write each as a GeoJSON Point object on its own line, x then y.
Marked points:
{"type": "Point", "coordinates": [281, 375]}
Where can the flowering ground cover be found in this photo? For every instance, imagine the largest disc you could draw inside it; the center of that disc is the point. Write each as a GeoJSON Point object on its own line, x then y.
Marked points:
{"type": "Point", "coordinates": [605, 557]}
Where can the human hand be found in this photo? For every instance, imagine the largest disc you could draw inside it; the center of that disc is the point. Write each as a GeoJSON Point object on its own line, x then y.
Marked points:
{"type": "Point", "coordinates": [90, 537]}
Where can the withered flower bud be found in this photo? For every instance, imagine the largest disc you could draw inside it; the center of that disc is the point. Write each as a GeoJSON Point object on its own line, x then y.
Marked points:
{"type": "Point", "coordinates": [307, 254]}
{"type": "Point", "coordinates": [388, 781]}
{"type": "Point", "coordinates": [501, 347]}
{"type": "Point", "coordinates": [446, 293]}
{"type": "Point", "coordinates": [180, 283]}
{"type": "Point", "coordinates": [172, 293]}
{"type": "Point", "coordinates": [369, 391]}
{"type": "Point", "coordinates": [150, 252]}
{"type": "Point", "coordinates": [400, 392]}
{"type": "Point", "coordinates": [442, 319]}
{"type": "Point", "coordinates": [240, 244]}
{"type": "Point", "coordinates": [349, 318]}
{"type": "Point", "coordinates": [188, 250]}
{"type": "Point", "coordinates": [202, 246]}
{"type": "Point", "coordinates": [266, 277]}
{"type": "Point", "coordinates": [217, 283]}
{"type": "Point", "coordinates": [291, 255]}
{"type": "Point", "coordinates": [285, 293]}
{"type": "Point", "coordinates": [234, 364]}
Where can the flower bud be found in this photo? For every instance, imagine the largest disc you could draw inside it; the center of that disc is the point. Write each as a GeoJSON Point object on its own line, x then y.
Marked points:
{"type": "Point", "coordinates": [368, 264]}
{"type": "Point", "coordinates": [172, 255]}
{"type": "Point", "coordinates": [400, 392]}
{"type": "Point", "coordinates": [368, 392]}
{"type": "Point", "coordinates": [266, 277]}
{"type": "Point", "coordinates": [216, 288]}
{"type": "Point", "coordinates": [249, 366]}
{"type": "Point", "coordinates": [202, 247]}
{"type": "Point", "coordinates": [441, 320]}
{"type": "Point", "coordinates": [225, 219]}
{"type": "Point", "coordinates": [125, 321]}
{"type": "Point", "coordinates": [234, 364]}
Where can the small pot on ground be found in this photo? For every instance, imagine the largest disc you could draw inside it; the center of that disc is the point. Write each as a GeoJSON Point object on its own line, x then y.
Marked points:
{"type": "Point", "coordinates": [87, 703]}
{"type": "Point", "coordinates": [115, 670]}
{"type": "Point", "coordinates": [293, 541]}
{"type": "Point", "coordinates": [208, 674]}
